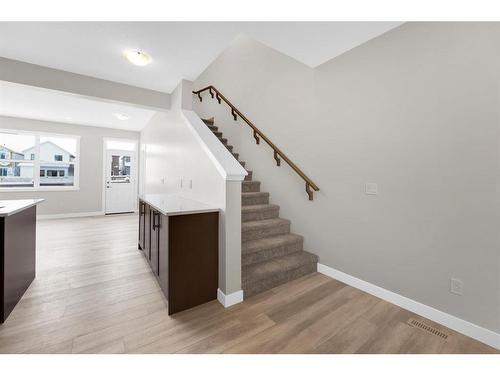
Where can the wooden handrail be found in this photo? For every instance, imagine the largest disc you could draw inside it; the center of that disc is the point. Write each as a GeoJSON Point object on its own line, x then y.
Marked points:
{"type": "Point", "coordinates": [257, 134]}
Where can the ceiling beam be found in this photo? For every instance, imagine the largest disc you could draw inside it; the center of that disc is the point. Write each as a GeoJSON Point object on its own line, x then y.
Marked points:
{"type": "Point", "coordinates": [53, 79]}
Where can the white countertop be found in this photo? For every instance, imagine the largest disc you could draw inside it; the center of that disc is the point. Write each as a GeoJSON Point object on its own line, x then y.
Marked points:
{"type": "Point", "coordinates": [13, 206]}
{"type": "Point", "coordinates": [171, 204]}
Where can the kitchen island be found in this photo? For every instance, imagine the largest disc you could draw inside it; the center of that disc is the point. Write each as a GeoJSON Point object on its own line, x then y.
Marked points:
{"type": "Point", "coordinates": [17, 251]}
{"type": "Point", "coordinates": [180, 239]}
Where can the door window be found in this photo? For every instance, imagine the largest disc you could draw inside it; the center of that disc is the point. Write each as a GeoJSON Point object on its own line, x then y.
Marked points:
{"type": "Point", "coordinates": [120, 169]}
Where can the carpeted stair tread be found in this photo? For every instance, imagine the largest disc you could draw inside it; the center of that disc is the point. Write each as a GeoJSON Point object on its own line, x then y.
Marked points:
{"type": "Point", "coordinates": [259, 212]}
{"type": "Point", "coordinates": [262, 276]}
{"type": "Point", "coordinates": [250, 186]}
{"type": "Point", "coordinates": [252, 230]}
{"type": "Point", "coordinates": [254, 246]}
{"type": "Point", "coordinates": [264, 249]}
{"type": "Point", "coordinates": [256, 197]}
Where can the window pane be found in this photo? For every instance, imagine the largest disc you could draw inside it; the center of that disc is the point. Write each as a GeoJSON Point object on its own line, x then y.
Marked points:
{"type": "Point", "coordinates": [16, 146]}
{"type": "Point", "coordinates": [16, 174]}
{"type": "Point", "coordinates": [120, 145]}
{"type": "Point", "coordinates": [120, 169]}
{"type": "Point", "coordinates": [57, 174]}
{"type": "Point", "coordinates": [57, 149]}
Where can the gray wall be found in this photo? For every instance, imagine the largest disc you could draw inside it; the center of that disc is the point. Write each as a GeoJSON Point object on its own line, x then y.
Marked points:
{"type": "Point", "coordinates": [89, 197]}
{"type": "Point", "coordinates": [415, 110]}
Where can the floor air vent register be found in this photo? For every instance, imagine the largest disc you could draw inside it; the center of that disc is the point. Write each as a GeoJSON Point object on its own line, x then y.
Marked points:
{"type": "Point", "coordinates": [427, 328]}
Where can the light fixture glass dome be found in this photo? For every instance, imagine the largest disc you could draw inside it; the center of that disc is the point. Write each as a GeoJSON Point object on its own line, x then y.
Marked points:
{"type": "Point", "coordinates": [137, 57]}
{"type": "Point", "coordinates": [121, 116]}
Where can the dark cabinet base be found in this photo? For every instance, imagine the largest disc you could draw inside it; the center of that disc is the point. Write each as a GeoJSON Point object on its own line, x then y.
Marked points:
{"type": "Point", "coordinates": [17, 258]}
{"type": "Point", "coordinates": [182, 251]}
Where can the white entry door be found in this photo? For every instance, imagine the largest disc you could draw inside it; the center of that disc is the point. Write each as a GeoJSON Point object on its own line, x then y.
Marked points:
{"type": "Point", "coordinates": [120, 181]}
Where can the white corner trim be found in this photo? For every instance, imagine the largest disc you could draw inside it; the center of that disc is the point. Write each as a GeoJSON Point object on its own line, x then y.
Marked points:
{"type": "Point", "coordinates": [467, 328]}
{"type": "Point", "coordinates": [230, 299]}
{"type": "Point", "coordinates": [69, 215]}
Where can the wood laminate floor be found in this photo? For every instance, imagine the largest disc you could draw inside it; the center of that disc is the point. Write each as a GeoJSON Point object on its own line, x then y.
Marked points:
{"type": "Point", "coordinates": [94, 293]}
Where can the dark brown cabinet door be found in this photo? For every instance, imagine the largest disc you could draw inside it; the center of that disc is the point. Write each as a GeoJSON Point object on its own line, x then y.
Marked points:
{"type": "Point", "coordinates": [193, 257]}
{"type": "Point", "coordinates": [142, 207]}
{"type": "Point", "coordinates": [155, 239]}
{"type": "Point", "coordinates": [147, 232]}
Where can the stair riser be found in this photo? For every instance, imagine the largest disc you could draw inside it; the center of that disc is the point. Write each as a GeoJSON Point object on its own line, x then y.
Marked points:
{"type": "Point", "coordinates": [250, 289]}
{"type": "Point", "coordinates": [218, 134]}
{"type": "Point", "coordinates": [270, 213]}
{"type": "Point", "coordinates": [248, 201]}
{"type": "Point", "coordinates": [267, 254]}
{"type": "Point", "coordinates": [248, 177]}
{"type": "Point", "coordinates": [252, 187]}
{"type": "Point", "coordinates": [213, 128]}
{"type": "Point", "coordinates": [272, 230]}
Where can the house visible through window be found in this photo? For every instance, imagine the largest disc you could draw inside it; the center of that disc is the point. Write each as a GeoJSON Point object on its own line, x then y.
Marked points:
{"type": "Point", "coordinates": [38, 160]}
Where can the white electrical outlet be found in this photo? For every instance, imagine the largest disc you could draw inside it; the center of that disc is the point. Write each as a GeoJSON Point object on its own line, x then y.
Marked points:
{"type": "Point", "coordinates": [456, 286]}
{"type": "Point", "coordinates": [371, 188]}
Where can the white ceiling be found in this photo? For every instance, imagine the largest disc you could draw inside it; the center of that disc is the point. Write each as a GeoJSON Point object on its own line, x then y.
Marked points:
{"type": "Point", "coordinates": [181, 50]}
{"type": "Point", "coordinates": [48, 105]}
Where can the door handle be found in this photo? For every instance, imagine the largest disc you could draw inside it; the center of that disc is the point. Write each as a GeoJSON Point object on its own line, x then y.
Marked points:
{"type": "Point", "coordinates": [156, 225]}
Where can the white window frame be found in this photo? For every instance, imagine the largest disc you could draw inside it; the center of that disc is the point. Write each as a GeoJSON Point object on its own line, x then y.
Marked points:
{"type": "Point", "coordinates": [36, 163]}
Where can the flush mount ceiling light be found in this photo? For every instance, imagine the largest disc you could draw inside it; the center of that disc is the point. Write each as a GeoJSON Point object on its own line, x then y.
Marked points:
{"type": "Point", "coordinates": [121, 116]}
{"type": "Point", "coordinates": [137, 57]}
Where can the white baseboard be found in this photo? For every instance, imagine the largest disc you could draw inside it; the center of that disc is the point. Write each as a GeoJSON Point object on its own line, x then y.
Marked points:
{"type": "Point", "coordinates": [70, 215]}
{"type": "Point", "coordinates": [230, 299]}
{"type": "Point", "coordinates": [467, 328]}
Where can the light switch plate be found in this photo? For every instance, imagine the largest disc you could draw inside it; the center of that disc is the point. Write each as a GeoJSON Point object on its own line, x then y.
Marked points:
{"type": "Point", "coordinates": [371, 188]}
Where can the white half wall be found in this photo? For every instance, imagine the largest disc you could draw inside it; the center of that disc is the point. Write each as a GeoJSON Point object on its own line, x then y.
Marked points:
{"type": "Point", "coordinates": [415, 110]}
{"type": "Point", "coordinates": [182, 156]}
{"type": "Point", "coordinates": [87, 200]}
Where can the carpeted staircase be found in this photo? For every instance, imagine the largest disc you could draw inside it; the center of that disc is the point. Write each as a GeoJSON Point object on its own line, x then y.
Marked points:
{"type": "Point", "coordinates": [270, 254]}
